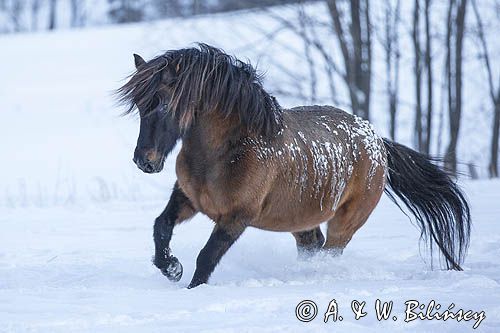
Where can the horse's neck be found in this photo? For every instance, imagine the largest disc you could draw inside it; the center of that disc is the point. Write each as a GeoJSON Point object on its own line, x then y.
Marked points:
{"type": "Point", "coordinates": [214, 136]}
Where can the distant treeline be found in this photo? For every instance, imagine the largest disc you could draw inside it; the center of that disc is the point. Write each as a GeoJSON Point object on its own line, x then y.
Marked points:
{"type": "Point", "coordinates": [35, 15]}
{"type": "Point", "coordinates": [344, 53]}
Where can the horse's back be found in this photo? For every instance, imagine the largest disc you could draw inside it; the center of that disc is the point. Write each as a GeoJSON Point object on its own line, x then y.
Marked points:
{"type": "Point", "coordinates": [353, 138]}
{"type": "Point", "coordinates": [329, 157]}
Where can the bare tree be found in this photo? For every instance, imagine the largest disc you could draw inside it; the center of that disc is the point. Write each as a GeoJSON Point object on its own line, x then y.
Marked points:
{"type": "Point", "coordinates": [35, 8]}
{"type": "Point", "coordinates": [430, 88]}
{"type": "Point", "coordinates": [167, 8]}
{"type": "Point", "coordinates": [390, 43]}
{"type": "Point", "coordinates": [122, 11]}
{"type": "Point", "coordinates": [3, 12]}
{"type": "Point", "coordinates": [77, 14]}
{"type": "Point", "coordinates": [15, 10]}
{"type": "Point", "coordinates": [354, 36]}
{"type": "Point", "coordinates": [422, 65]}
{"type": "Point", "coordinates": [52, 14]}
{"type": "Point", "coordinates": [494, 94]}
{"type": "Point", "coordinates": [196, 7]}
{"type": "Point", "coordinates": [306, 30]}
{"type": "Point", "coordinates": [418, 75]}
{"type": "Point", "coordinates": [303, 23]}
{"type": "Point", "coordinates": [454, 45]}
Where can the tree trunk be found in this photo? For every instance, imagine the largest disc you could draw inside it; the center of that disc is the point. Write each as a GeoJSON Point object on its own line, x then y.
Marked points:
{"type": "Point", "coordinates": [35, 8]}
{"type": "Point", "coordinates": [428, 67]}
{"type": "Point", "coordinates": [495, 97]}
{"type": "Point", "coordinates": [313, 81]}
{"type": "Point", "coordinates": [196, 7]}
{"type": "Point", "coordinates": [52, 14]}
{"type": "Point", "coordinates": [418, 75]}
{"type": "Point", "coordinates": [456, 25]}
{"type": "Point", "coordinates": [423, 64]}
{"type": "Point", "coordinates": [356, 52]}
{"type": "Point", "coordinates": [392, 56]}
{"type": "Point", "coordinates": [493, 165]}
{"type": "Point", "coordinates": [75, 12]}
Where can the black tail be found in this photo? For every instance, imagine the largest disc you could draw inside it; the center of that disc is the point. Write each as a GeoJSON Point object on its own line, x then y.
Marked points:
{"type": "Point", "coordinates": [434, 199]}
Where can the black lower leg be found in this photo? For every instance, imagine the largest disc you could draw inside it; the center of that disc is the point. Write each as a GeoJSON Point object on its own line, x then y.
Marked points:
{"type": "Point", "coordinates": [163, 259]}
{"type": "Point", "coordinates": [221, 239]}
{"type": "Point", "coordinates": [309, 242]}
{"type": "Point", "coordinates": [174, 213]}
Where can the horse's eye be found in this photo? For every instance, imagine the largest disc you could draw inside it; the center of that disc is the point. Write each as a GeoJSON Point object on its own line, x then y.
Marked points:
{"type": "Point", "coordinates": [170, 83]}
{"type": "Point", "coordinates": [154, 103]}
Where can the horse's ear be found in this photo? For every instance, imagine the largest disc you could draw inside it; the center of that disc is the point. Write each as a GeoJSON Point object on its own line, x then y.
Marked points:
{"type": "Point", "coordinates": [138, 61]}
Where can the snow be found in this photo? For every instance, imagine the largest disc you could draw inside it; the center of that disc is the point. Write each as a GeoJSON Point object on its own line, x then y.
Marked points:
{"type": "Point", "coordinates": [76, 214]}
{"type": "Point", "coordinates": [88, 269]}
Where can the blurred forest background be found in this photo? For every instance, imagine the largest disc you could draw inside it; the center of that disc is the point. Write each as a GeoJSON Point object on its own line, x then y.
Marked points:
{"type": "Point", "coordinates": [422, 48]}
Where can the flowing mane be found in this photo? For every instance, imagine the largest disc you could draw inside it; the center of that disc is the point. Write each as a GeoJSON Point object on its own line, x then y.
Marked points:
{"type": "Point", "coordinates": [203, 79]}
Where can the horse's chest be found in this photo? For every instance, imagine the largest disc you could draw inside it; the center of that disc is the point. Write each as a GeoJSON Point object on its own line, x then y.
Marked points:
{"type": "Point", "coordinates": [203, 185]}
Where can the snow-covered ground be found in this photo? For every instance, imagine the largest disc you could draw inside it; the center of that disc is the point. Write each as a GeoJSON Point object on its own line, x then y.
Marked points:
{"type": "Point", "coordinates": [88, 269]}
{"type": "Point", "coordinates": [76, 214]}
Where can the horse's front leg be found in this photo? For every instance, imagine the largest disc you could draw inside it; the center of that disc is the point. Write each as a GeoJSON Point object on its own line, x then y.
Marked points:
{"type": "Point", "coordinates": [178, 209]}
{"type": "Point", "coordinates": [224, 235]}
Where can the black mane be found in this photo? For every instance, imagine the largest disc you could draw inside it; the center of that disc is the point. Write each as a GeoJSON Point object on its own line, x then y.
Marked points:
{"type": "Point", "coordinates": [203, 79]}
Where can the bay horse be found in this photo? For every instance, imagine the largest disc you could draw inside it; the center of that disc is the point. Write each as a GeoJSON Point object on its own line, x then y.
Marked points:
{"type": "Point", "coordinates": [247, 162]}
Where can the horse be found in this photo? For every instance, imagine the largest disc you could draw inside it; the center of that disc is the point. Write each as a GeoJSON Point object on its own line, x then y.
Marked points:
{"type": "Point", "coordinates": [247, 162]}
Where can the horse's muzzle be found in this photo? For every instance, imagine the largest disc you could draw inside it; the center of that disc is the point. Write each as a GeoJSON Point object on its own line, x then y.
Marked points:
{"type": "Point", "coordinates": [149, 166]}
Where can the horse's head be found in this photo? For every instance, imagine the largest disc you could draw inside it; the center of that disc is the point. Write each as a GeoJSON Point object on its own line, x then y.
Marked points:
{"type": "Point", "coordinates": [182, 88]}
{"type": "Point", "coordinates": [159, 131]}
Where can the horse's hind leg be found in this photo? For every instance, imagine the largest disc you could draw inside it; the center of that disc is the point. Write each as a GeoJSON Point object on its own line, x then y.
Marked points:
{"type": "Point", "coordinates": [349, 217]}
{"type": "Point", "coordinates": [308, 242]}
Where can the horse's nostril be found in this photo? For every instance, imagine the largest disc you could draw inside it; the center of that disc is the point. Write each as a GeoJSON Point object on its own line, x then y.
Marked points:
{"type": "Point", "coordinates": [148, 167]}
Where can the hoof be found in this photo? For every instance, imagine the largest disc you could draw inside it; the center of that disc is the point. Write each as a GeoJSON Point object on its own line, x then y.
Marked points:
{"type": "Point", "coordinates": [195, 284]}
{"type": "Point", "coordinates": [306, 254]}
{"type": "Point", "coordinates": [334, 251]}
{"type": "Point", "coordinates": [173, 270]}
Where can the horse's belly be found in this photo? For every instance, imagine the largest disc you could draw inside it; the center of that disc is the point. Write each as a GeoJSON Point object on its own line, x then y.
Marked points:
{"type": "Point", "coordinates": [293, 222]}
{"type": "Point", "coordinates": [291, 215]}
